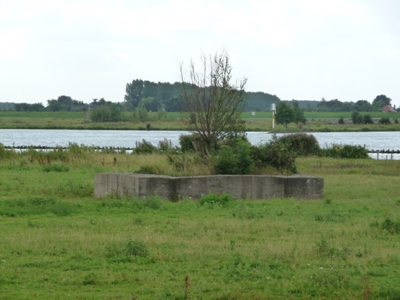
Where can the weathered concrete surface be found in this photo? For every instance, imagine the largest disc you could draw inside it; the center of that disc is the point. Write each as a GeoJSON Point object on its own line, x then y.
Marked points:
{"type": "Point", "coordinates": [193, 187]}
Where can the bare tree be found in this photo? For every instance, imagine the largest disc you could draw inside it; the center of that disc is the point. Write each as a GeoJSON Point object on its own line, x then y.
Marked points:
{"type": "Point", "coordinates": [213, 103]}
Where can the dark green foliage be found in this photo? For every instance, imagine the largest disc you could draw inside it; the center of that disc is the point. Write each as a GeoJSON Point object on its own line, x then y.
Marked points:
{"type": "Point", "coordinates": [363, 105]}
{"type": "Point", "coordinates": [276, 154]}
{"type": "Point", "coordinates": [109, 112]}
{"type": "Point", "coordinates": [344, 151]}
{"type": "Point", "coordinates": [380, 101]}
{"type": "Point", "coordinates": [234, 159]}
{"type": "Point", "coordinates": [299, 117]}
{"type": "Point", "coordinates": [150, 104]}
{"type": "Point", "coordinates": [349, 151]}
{"type": "Point", "coordinates": [215, 200]}
{"type": "Point", "coordinates": [333, 105]}
{"type": "Point", "coordinates": [170, 96]}
{"type": "Point", "coordinates": [63, 103]}
{"type": "Point", "coordinates": [186, 142]}
{"type": "Point", "coordinates": [284, 114]}
{"type": "Point", "coordinates": [29, 107]}
{"type": "Point", "coordinates": [140, 115]}
{"type": "Point", "coordinates": [391, 226]}
{"type": "Point", "coordinates": [341, 120]}
{"type": "Point", "coordinates": [303, 144]}
{"type": "Point", "coordinates": [356, 117]}
{"type": "Point", "coordinates": [144, 147]}
{"type": "Point", "coordinates": [384, 121]}
{"type": "Point", "coordinates": [368, 119]}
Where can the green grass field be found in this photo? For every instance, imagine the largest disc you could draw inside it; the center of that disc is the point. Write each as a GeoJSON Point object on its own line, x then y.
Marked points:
{"type": "Point", "coordinates": [316, 121]}
{"type": "Point", "coordinates": [59, 242]}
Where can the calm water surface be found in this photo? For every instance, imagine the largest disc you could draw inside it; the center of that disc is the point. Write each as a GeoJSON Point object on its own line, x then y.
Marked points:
{"type": "Point", "coordinates": [128, 138]}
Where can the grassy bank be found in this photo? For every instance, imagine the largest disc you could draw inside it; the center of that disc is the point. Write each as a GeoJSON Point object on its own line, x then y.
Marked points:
{"type": "Point", "coordinates": [59, 242]}
{"type": "Point", "coordinates": [316, 122]}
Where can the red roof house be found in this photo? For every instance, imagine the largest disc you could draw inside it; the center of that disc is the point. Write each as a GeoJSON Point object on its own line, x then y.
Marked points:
{"type": "Point", "coordinates": [388, 108]}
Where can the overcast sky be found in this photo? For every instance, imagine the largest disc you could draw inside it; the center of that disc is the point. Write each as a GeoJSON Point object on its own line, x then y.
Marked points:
{"type": "Point", "coordinates": [294, 49]}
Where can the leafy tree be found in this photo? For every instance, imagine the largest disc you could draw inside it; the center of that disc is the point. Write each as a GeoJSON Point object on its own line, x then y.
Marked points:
{"type": "Point", "coordinates": [213, 103]}
{"type": "Point", "coordinates": [341, 120]}
{"type": "Point", "coordinates": [29, 107]}
{"type": "Point", "coordinates": [380, 101]}
{"type": "Point", "coordinates": [363, 105]}
{"type": "Point", "coordinates": [174, 103]}
{"type": "Point", "coordinates": [355, 117]}
{"type": "Point", "coordinates": [62, 103]}
{"type": "Point", "coordinates": [133, 93]}
{"type": "Point", "coordinates": [298, 114]}
{"type": "Point", "coordinates": [332, 105]}
{"type": "Point", "coordinates": [284, 114]}
{"type": "Point", "coordinates": [141, 115]}
{"type": "Point", "coordinates": [109, 112]}
{"type": "Point", "coordinates": [150, 104]}
{"type": "Point", "coordinates": [259, 101]}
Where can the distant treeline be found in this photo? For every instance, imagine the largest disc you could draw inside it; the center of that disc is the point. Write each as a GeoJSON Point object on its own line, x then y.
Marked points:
{"type": "Point", "coordinates": [143, 95]}
{"type": "Point", "coordinates": [169, 97]}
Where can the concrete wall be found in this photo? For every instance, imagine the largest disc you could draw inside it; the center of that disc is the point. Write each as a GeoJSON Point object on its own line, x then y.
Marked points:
{"type": "Point", "coordinates": [239, 186]}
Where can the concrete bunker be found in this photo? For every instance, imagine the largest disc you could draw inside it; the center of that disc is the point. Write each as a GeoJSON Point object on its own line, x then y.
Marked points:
{"type": "Point", "coordinates": [140, 186]}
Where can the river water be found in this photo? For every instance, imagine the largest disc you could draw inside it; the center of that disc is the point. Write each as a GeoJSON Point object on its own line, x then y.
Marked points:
{"type": "Point", "coordinates": [127, 138]}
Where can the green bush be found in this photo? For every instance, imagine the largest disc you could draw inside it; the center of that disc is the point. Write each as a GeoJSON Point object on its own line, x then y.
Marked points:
{"type": "Point", "coordinates": [276, 154]}
{"type": "Point", "coordinates": [235, 159]}
{"type": "Point", "coordinates": [186, 142]}
{"type": "Point", "coordinates": [391, 226]}
{"type": "Point", "coordinates": [213, 199]}
{"type": "Point", "coordinates": [344, 151]}
{"type": "Point", "coordinates": [303, 144]}
{"type": "Point", "coordinates": [384, 121]}
{"type": "Point", "coordinates": [144, 147]}
{"type": "Point", "coordinates": [368, 119]}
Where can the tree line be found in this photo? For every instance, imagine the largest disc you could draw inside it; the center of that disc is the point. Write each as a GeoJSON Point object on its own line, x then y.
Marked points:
{"type": "Point", "coordinates": [153, 96]}
{"type": "Point", "coordinates": [143, 95]}
{"type": "Point", "coordinates": [358, 106]}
